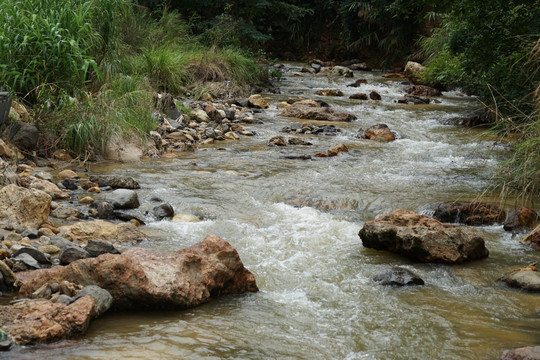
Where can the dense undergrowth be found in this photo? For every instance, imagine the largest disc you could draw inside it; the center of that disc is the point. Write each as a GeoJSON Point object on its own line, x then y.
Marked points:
{"type": "Point", "coordinates": [492, 49]}
{"type": "Point", "coordinates": [89, 68]}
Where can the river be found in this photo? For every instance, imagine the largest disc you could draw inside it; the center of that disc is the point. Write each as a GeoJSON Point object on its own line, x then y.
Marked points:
{"type": "Point", "coordinates": [295, 225]}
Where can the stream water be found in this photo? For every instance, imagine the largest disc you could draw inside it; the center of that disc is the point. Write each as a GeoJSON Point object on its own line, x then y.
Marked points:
{"type": "Point", "coordinates": [295, 225]}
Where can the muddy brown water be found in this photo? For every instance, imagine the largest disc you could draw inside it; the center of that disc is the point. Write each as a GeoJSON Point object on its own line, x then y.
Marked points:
{"type": "Point", "coordinates": [295, 225]}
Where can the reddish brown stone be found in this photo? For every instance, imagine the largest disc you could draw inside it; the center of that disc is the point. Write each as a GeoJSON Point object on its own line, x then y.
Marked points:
{"type": "Point", "coordinates": [422, 238]}
{"type": "Point", "coordinates": [422, 90]}
{"type": "Point", "coordinates": [41, 321]}
{"type": "Point", "coordinates": [380, 132]}
{"type": "Point", "coordinates": [470, 213]}
{"type": "Point", "coordinates": [140, 278]}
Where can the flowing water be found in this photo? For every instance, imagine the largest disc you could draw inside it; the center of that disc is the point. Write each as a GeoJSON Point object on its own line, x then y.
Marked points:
{"type": "Point", "coordinates": [295, 225]}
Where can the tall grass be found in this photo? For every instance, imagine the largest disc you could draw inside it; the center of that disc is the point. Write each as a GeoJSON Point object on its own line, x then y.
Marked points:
{"type": "Point", "coordinates": [91, 66]}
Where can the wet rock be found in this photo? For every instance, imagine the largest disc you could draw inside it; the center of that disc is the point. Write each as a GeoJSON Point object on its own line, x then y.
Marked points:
{"type": "Point", "coordinates": [523, 217]}
{"type": "Point", "coordinates": [65, 212]}
{"type": "Point", "coordinates": [397, 276]}
{"type": "Point", "coordinates": [413, 71]}
{"type": "Point", "coordinates": [379, 132]}
{"type": "Point", "coordinates": [41, 321]}
{"type": "Point", "coordinates": [96, 248]}
{"type": "Point", "coordinates": [70, 184]}
{"type": "Point", "coordinates": [30, 233]}
{"type": "Point", "coordinates": [257, 101]}
{"type": "Point", "coordinates": [329, 92]}
{"type": "Point", "coordinates": [105, 210]}
{"type": "Point", "coordinates": [375, 95]}
{"type": "Point", "coordinates": [46, 186]}
{"type": "Point", "coordinates": [59, 241]}
{"type": "Point", "coordinates": [470, 213]}
{"type": "Point", "coordinates": [524, 353]}
{"type": "Point", "coordinates": [337, 149]}
{"type": "Point", "coordinates": [297, 157]}
{"type": "Point", "coordinates": [103, 231]}
{"type": "Point", "coordinates": [86, 200]}
{"type": "Point", "coordinates": [422, 238]}
{"type": "Point", "coordinates": [359, 96]}
{"type": "Point", "coordinates": [534, 236]}
{"type": "Point", "coordinates": [27, 260]}
{"type": "Point", "coordinates": [116, 182]}
{"type": "Point", "coordinates": [24, 135]}
{"type": "Point", "coordinates": [527, 278]}
{"type": "Point", "coordinates": [123, 199]}
{"type": "Point", "coordinates": [102, 298]}
{"type": "Point", "coordinates": [298, 141]}
{"type": "Point", "coordinates": [129, 217]}
{"type": "Point", "coordinates": [163, 211]}
{"type": "Point", "coordinates": [140, 278]}
{"type": "Point", "coordinates": [36, 254]}
{"type": "Point", "coordinates": [309, 109]}
{"type": "Point", "coordinates": [422, 90]}
{"type": "Point", "coordinates": [277, 141]}
{"type": "Point", "coordinates": [27, 208]}
{"type": "Point", "coordinates": [358, 83]}
{"type": "Point", "coordinates": [71, 253]}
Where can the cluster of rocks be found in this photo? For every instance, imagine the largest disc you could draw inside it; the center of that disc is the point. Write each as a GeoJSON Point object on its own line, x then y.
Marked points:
{"type": "Point", "coordinates": [204, 123]}
{"type": "Point", "coordinates": [435, 240]}
{"type": "Point", "coordinates": [69, 271]}
{"type": "Point", "coordinates": [342, 69]}
{"type": "Point", "coordinates": [313, 110]}
{"type": "Point", "coordinates": [59, 302]}
{"type": "Point", "coordinates": [307, 128]}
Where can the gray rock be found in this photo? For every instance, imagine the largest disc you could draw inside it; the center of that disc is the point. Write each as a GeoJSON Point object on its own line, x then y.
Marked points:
{"type": "Point", "coordinates": [36, 254]}
{"type": "Point", "coordinates": [96, 248]}
{"type": "Point", "coordinates": [44, 292]}
{"type": "Point", "coordinates": [59, 241]}
{"type": "Point", "coordinates": [163, 211]}
{"type": "Point", "coordinates": [101, 296]}
{"type": "Point", "coordinates": [397, 276]}
{"type": "Point", "coordinates": [72, 252]}
{"type": "Point", "coordinates": [128, 217]}
{"type": "Point", "coordinates": [528, 280]}
{"type": "Point", "coordinates": [27, 260]}
{"type": "Point", "coordinates": [30, 233]}
{"type": "Point", "coordinates": [123, 199]}
{"type": "Point", "coordinates": [105, 210]}
{"type": "Point", "coordinates": [64, 300]}
{"type": "Point", "coordinates": [5, 345]}
{"type": "Point", "coordinates": [24, 135]}
{"type": "Point", "coordinates": [43, 175]}
{"type": "Point", "coordinates": [230, 113]}
{"type": "Point", "coordinates": [70, 184]}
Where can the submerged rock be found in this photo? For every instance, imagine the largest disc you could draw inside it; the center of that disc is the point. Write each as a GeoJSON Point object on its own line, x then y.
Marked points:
{"type": "Point", "coordinates": [329, 92]}
{"type": "Point", "coordinates": [397, 276]}
{"type": "Point", "coordinates": [470, 213]}
{"type": "Point", "coordinates": [422, 238]}
{"type": "Point", "coordinates": [116, 182]}
{"type": "Point", "coordinates": [140, 278]}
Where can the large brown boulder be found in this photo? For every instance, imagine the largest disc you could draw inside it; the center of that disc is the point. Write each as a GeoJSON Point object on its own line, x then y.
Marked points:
{"type": "Point", "coordinates": [41, 321]}
{"type": "Point", "coordinates": [309, 109]}
{"type": "Point", "coordinates": [380, 132]}
{"type": "Point", "coordinates": [140, 278]}
{"type": "Point", "coordinates": [470, 213]}
{"type": "Point", "coordinates": [422, 238]}
{"type": "Point", "coordinates": [102, 230]}
{"type": "Point", "coordinates": [21, 207]}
